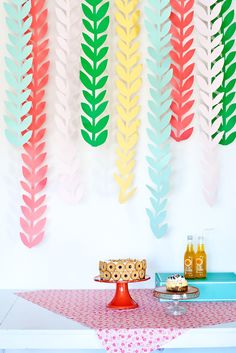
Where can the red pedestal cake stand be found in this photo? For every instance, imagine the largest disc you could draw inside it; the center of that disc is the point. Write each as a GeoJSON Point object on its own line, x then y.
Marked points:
{"type": "Point", "coordinates": [122, 298]}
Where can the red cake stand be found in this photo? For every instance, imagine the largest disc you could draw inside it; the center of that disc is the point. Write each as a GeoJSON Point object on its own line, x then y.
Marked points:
{"type": "Point", "coordinates": [122, 298]}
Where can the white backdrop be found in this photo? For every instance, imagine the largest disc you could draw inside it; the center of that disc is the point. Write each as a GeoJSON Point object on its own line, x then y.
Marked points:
{"type": "Point", "coordinates": [78, 236]}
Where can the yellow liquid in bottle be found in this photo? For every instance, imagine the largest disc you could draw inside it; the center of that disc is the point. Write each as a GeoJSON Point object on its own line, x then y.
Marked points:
{"type": "Point", "coordinates": [200, 261]}
{"type": "Point", "coordinates": [189, 261]}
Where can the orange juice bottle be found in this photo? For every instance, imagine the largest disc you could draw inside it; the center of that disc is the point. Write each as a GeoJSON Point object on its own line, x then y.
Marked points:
{"type": "Point", "coordinates": [200, 259]}
{"type": "Point", "coordinates": [189, 259]}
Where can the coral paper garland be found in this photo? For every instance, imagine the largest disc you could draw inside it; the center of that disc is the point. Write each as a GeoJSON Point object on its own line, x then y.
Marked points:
{"type": "Point", "coordinates": [67, 99]}
{"type": "Point", "coordinates": [160, 74]}
{"type": "Point", "coordinates": [183, 78]}
{"type": "Point", "coordinates": [209, 77]}
{"type": "Point", "coordinates": [228, 111]}
{"type": "Point", "coordinates": [18, 118]}
{"type": "Point", "coordinates": [92, 74]}
{"type": "Point", "coordinates": [128, 84]}
{"type": "Point", "coordinates": [34, 170]}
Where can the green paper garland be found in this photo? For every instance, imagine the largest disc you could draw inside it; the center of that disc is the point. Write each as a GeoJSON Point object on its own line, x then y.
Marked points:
{"type": "Point", "coordinates": [92, 75]}
{"type": "Point", "coordinates": [227, 113]}
{"type": "Point", "coordinates": [18, 64]}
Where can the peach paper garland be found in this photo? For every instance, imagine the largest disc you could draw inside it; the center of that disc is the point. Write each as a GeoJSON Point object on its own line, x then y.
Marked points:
{"type": "Point", "coordinates": [183, 65]}
{"type": "Point", "coordinates": [34, 169]}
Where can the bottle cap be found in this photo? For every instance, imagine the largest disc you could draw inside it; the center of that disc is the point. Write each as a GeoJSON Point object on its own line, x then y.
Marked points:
{"type": "Point", "coordinates": [189, 237]}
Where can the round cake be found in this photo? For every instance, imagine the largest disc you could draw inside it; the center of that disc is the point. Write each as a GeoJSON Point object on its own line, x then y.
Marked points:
{"type": "Point", "coordinates": [176, 283]}
{"type": "Point", "coordinates": [122, 270]}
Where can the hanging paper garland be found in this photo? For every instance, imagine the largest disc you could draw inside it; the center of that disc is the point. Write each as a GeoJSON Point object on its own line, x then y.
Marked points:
{"type": "Point", "coordinates": [92, 75]}
{"type": "Point", "coordinates": [209, 79]}
{"type": "Point", "coordinates": [183, 79]}
{"type": "Point", "coordinates": [18, 64]}
{"type": "Point", "coordinates": [160, 74]}
{"type": "Point", "coordinates": [228, 115]}
{"type": "Point", "coordinates": [128, 84]}
{"type": "Point", "coordinates": [67, 98]}
{"type": "Point", "coordinates": [35, 169]}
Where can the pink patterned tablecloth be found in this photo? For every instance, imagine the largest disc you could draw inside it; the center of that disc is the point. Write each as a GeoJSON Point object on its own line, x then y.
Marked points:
{"type": "Point", "coordinates": [130, 331]}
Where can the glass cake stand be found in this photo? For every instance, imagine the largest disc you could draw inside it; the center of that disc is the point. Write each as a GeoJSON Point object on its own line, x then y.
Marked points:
{"type": "Point", "coordinates": [122, 298]}
{"type": "Point", "coordinates": [175, 309]}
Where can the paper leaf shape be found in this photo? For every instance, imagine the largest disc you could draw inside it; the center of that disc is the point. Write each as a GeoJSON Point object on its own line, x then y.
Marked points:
{"type": "Point", "coordinates": [209, 79]}
{"type": "Point", "coordinates": [34, 169]}
{"type": "Point", "coordinates": [18, 63]}
{"type": "Point", "coordinates": [128, 84]}
{"type": "Point", "coordinates": [228, 111]}
{"type": "Point", "coordinates": [67, 99]}
{"type": "Point", "coordinates": [182, 82]}
{"type": "Point", "coordinates": [160, 75]}
{"type": "Point", "coordinates": [92, 74]}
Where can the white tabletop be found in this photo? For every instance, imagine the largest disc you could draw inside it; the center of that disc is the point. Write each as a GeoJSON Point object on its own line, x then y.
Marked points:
{"type": "Point", "coordinates": [24, 325]}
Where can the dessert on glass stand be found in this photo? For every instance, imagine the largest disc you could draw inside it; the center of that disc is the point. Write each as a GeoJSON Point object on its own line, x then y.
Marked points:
{"type": "Point", "coordinates": [176, 283]}
{"type": "Point", "coordinates": [121, 272]}
{"type": "Point", "coordinates": [176, 289]}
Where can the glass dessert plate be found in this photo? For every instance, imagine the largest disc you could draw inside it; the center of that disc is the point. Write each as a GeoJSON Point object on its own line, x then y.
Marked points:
{"type": "Point", "coordinates": [175, 308]}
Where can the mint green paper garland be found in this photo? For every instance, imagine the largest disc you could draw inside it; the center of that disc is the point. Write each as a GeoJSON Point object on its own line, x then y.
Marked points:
{"type": "Point", "coordinates": [94, 63]}
{"type": "Point", "coordinates": [18, 64]}
{"type": "Point", "coordinates": [160, 74]}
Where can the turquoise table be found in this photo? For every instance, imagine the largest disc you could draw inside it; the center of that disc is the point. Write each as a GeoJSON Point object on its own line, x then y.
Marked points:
{"type": "Point", "coordinates": [217, 286]}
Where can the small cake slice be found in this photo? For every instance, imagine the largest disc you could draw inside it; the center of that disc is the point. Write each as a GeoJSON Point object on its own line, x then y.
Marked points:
{"type": "Point", "coordinates": [176, 283]}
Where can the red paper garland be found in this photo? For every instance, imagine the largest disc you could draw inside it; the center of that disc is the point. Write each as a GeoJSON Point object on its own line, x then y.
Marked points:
{"type": "Point", "coordinates": [35, 169]}
{"type": "Point", "coordinates": [182, 81]}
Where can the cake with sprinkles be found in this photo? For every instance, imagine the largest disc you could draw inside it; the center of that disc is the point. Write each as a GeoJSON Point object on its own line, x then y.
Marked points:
{"type": "Point", "coordinates": [122, 270]}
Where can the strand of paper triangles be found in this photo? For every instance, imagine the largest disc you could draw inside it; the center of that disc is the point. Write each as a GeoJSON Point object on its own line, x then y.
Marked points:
{"type": "Point", "coordinates": [159, 76]}
{"type": "Point", "coordinates": [183, 66]}
{"type": "Point", "coordinates": [69, 172]}
{"type": "Point", "coordinates": [128, 85]}
{"type": "Point", "coordinates": [18, 62]}
{"type": "Point", "coordinates": [34, 168]}
{"type": "Point", "coordinates": [228, 111]}
{"type": "Point", "coordinates": [209, 78]}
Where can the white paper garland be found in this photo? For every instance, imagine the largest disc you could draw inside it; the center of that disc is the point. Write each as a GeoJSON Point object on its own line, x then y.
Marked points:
{"type": "Point", "coordinates": [209, 77]}
{"type": "Point", "coordinates": [68, 17]}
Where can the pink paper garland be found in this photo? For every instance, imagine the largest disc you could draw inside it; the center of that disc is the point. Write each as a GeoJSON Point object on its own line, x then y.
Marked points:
{"type": "Point", "coordinates": [130, 331]}
{"type": "Point", "coordinates": [183, 78]}
{"type": "Point", "coordinates": [34, 168]}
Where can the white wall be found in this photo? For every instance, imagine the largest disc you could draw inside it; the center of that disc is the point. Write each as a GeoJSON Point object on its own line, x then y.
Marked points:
{"type": "Point", "coordinates": [77, 236]}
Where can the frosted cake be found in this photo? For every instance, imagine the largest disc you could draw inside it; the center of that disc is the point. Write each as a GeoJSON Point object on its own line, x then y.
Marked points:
{"type": "Point", "coordinates": [122, 270]}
